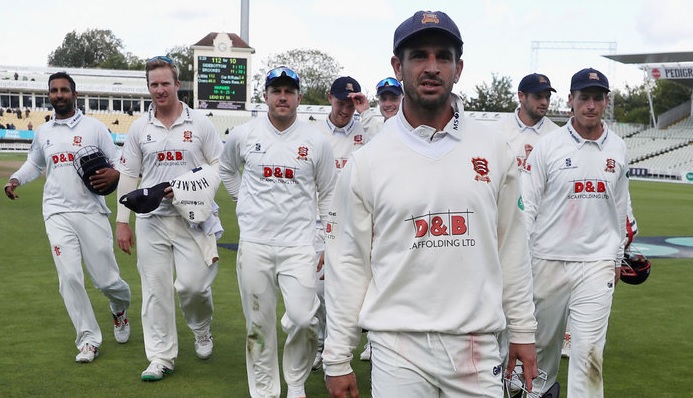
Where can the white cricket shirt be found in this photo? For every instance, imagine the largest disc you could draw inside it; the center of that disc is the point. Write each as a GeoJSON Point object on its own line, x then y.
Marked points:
{"type": "Point", "coordinates": [345, 140]}
{"type": "Point", "coordinates": [53, 150]}
{"type": "Point", "coordinates": [575, 196]}
{"type": "Point", "coordinates": [287, 178]}
{"type": "Point", "coordinates": [521, 137]}
{"type": "Point", "coordinates": [160, 154]}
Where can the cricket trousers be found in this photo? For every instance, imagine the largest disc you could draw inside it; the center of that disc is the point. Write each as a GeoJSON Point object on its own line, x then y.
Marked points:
{"type": "Point", "coordinates": [264, 271]}
{"type": "Point", "coordinates": [169, 260]}
{"type": "Point", "coordinates": [582, 291]}
{"type": "Point", "coordinates": [81, 236]}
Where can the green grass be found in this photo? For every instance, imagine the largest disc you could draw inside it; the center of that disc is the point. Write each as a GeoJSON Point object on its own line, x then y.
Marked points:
{"type": "Point", "coordinates": [648, 350]}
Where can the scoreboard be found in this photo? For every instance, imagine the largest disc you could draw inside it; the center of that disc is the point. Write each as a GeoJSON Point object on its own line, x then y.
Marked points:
{"type": "Point", "coordinates": [221, 82]}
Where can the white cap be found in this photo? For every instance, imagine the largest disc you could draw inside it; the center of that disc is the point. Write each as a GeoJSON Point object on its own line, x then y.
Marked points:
{"type": "Point", "coordinates": [193, 193]}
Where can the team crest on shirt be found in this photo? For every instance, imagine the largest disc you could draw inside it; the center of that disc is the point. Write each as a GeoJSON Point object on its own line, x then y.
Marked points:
{"type": "Point", "coordinates": [481, 168]}
{"type": "Point", "coordinates": [610, 166]}
{"type": "Point", "coordinates": [358, 139]}
{"type": "Point", "coordinates": [77, 140]}
{"type": "Point", "coordinates": [187, 136]}
{"type": "Point", "coordinates": [302, 153]}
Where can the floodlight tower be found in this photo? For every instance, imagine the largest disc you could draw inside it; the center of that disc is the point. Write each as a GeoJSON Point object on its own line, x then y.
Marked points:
{"type": "Point", "coordinates": [609, 46]}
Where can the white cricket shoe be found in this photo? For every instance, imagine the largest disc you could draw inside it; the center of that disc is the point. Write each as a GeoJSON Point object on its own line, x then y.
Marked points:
{"type": "Point", "coordinates": [565, 350]}
{"type": "Point", "coordinates": [121, 327]}
{"type": "Point", "coordinates": [317, 361]}
{"type": "Point", "coordinates": [155, 372]}
{"type": "Point", "coordinates": [87, 353]}
{"type": "Point", "coordinates": [366, 354]}
{"type": "Point", "coordinates": [203, 345]}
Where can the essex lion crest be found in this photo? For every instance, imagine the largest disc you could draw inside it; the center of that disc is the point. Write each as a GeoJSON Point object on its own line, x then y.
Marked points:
{"type": "Point", "coordinates": [481, 168]}
{"type": "Point", "coordinates": [302, 153]}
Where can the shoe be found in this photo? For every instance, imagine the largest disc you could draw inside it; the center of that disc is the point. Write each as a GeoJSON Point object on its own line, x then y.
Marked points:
{"type": "Point", "coordinates": [565, 350]}
{"type": "Point", "coordinates": [87, 353]}
{"type": "Point", "coordinates": [317, 361]}
{"type": "Point", "coordinates": [121, 327]}
{"type": "Point", "coordinates": [366, 354]}
{"type": "Point", "coordinates": [155, 372]}
{"type": "Point", "coordinates": [204, 345]}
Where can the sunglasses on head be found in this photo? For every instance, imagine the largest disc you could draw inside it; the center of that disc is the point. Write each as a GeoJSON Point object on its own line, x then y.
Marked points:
{"type": "Point", "coordinates": [161, 58]}
{"type": "Point", "coordinates": [388, 81]}
{"type": "Point", "coordinates": [282, 71]}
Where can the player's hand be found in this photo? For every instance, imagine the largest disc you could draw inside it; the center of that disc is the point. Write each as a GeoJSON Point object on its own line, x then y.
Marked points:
{"type": "Point", "coordinates": [360, 102]}
{"type": "Point", "coordinates": [527, 353]}
{"type": "Point", "coordinates": [342, 386]}
{"type": "Point", "coordinates": [104, 178]}
{"type": "Point", "coordinates": [321, 263]}
{"type": "Point", "coordinates": [618, 275]}
{"type": "Point", "coordinates": [10, 187]}
{"type": "Point", "coordinates": [169, 192]}
{"type": "Point", "coordinates": [124, 237]}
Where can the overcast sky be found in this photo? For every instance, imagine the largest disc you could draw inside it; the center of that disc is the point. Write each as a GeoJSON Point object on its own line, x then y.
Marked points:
{"type": "Point", "coordinates": [498, 34]}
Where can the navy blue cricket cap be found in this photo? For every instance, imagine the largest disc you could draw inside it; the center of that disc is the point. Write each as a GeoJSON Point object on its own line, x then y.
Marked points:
{"type": "Point", "coordinates": [145, 200]}
{"type": "Point", "coordinates": [535, 83]}
{"type": "Point", "coordinates": [587, 78]}
{"type": "Point", "coordinates": [426, 21]}
{"type": "Point", "coordinates": [343, 86]}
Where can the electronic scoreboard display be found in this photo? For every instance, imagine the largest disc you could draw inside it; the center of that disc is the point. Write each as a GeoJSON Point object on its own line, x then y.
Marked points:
{"type": "Point", "coordinates": [221, 82]}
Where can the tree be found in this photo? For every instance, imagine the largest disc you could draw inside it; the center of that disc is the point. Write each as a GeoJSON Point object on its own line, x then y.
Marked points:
{"type": "Point", "coordinates": [90, 49]}
{"type": "Point", "coordinates": [316, 69]}
{"type": "Point", "coordinates": [633, 106]}
{"type": "Point", "coordinates": [499, 97]}
{"type": "Point", "coordinates": [183, 57]}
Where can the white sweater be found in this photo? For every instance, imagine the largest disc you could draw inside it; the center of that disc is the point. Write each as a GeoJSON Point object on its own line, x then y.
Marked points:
{"type": "Point", "coordinates": [425, 235]}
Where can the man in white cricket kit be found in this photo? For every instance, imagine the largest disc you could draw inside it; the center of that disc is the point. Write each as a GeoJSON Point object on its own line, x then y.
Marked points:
{"type": "Point", "coordinates": [529, 123]}
{"type": "Point", "coordinates": [76, 217]}
{"type": "Point", "coordinates": [288, 177]}
{"type": "Point", "coordinates": [426, 246]}
{"type": "Point", "coordinates": [162, 145]}
{"type": "Point", "coordinates": [524, 128]}
{"type": "Point", "coordinates": [345, 134]}
{"type": "Point", "coordinates": [575, 195]}
{"type": "Point", "coordinates": [389, 94]}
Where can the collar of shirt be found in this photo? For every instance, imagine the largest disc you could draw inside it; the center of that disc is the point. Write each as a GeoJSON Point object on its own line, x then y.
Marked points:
{"type": "Point", "coordinates": [523, 127]}
{"type": "Point", "coordinates": [70, 122]}
{"type": "Point", "coordinates": [579, 141]}
{"type": "Point", "coordinates": [430, 134]}
{"type": "Point", "coordinates": [346, 130]}
{"type": "Point", "coordinates": [185, 115]}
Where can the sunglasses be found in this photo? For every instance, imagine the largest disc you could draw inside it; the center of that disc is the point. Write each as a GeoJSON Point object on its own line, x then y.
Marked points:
{"type": "Point", "coordinates": [388, 81]}
{"type": "Point", "coordinates": [282, 71]}
{"type": "Point", "coordinates": [161, 58]}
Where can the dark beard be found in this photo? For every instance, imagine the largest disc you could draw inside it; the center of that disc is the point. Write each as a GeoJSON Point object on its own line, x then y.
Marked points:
{"type": "Point", "coordinates": [64, 110]}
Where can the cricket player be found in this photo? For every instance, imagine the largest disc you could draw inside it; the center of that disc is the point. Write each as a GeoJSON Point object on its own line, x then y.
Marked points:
{"type": "Point", "coordinates": [576, 190]}
{"type": "Point", "coordinates": [76, 218]}
{"type": "Point", "coordinates": [529, 123]}
{"type": "Point", "coordinates": [389, 94]}
{"type": "Point", "coordinates": [426, 246]}
{"type": "Point", "coordinates": [163, 144]}
{"type": "Point", "coordinates": [287, 178]}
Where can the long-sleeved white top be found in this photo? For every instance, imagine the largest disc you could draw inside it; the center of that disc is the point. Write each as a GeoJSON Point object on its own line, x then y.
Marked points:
{"type": "Point", "coordinates": [425, 234]}
{"type": "Point", "coordinates": [161, 154]}
{"type": "Point", "coordinates": [287, 178]}
{"type": "Point", "coordinates": [53, 150]}
{"type": "Point", "coordinates": [575, 194]}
